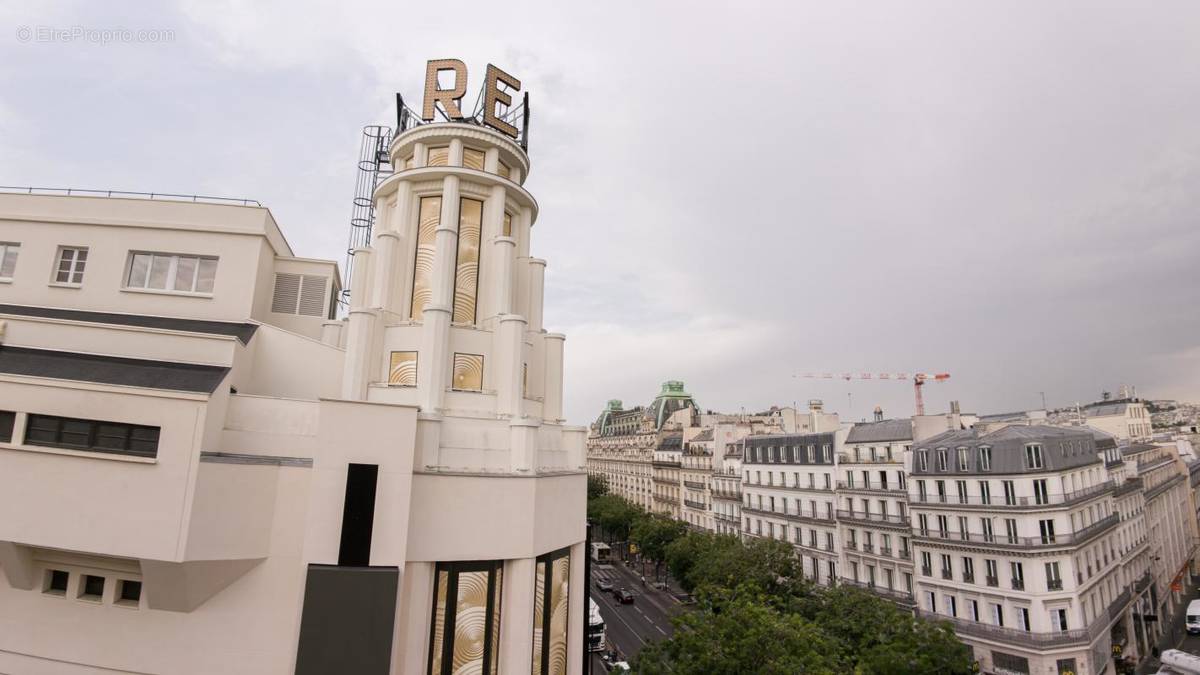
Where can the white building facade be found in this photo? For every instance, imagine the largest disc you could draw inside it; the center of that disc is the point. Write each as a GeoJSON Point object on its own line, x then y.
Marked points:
{"type": "Point", "coordinates": [192, 445]}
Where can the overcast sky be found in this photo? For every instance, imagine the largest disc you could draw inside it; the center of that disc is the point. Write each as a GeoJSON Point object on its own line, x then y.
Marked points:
{"type": "Point", "coordinates": [731, 193]}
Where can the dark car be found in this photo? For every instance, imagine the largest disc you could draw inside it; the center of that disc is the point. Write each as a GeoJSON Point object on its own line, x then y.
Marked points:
{"type": "Point", "coordinates": [624, 596]}
{"type": "Point", "coordinates": [604, 586]}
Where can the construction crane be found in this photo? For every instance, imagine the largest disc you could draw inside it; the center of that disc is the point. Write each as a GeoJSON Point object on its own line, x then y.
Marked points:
{"type": "Point", "coordinates": [918, 381]}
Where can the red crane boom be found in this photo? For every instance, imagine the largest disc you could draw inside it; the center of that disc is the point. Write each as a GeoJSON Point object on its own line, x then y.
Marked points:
{"type": "Point", "coordinates": [918, 381]}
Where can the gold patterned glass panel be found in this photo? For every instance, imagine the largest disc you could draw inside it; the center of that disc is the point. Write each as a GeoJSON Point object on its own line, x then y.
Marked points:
{"type": "Point", "coordinates": [402, 371]}
{"type": "Point", "coordinates": [508, 224]}
{"type": "Point", "coordinates": [494, 648]}
{"type": "Point", "coordinates": [551, 601]}
{"type": "Point", "coordinates": [408, 162]}
{"type": "Point", "coordinates": [427, 222]}
{"type": "Point", "coordinates": [559, 596]}
{"type": "Point", "coordinates": [439, 156]}
{"type": "Point", "coordinates": [503, 170]}
{"type": "Point", "coordinates": [466, 272]}
{"type": "Point", "coordinates": [465, 637]}
{"type": "Point", "coordinates": [473, 159]}
{"type": "Point", "coordinates": [439, 622]}
{"type": "Point", "coordinates": [470, 622]}
{"type": "Point", "coordinates": [468, 372]}
{"type": "Point", "coordinates": [539, 610]}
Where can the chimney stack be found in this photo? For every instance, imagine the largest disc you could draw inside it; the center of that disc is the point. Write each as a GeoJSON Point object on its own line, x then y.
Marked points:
{"type": "Point", "coordinates": [878, 414]}
{"type": "Point", "coordinates": [954, 407]}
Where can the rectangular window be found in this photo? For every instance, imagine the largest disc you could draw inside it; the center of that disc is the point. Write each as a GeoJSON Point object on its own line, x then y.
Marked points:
{"type": "Point", "coordinates": [402, 369]}
{"type": "Point", "coordinates": [7, 420]}
{"type": "Point", "coordinates": [503, 170]}
{"type": "Point", "coordinates": [1010, 493]}
{"type": "Point", "coordinates": [129, 592]}
{"type": "Point", "coordinates": [71, 262]}
{"type": "Point", "coordinates": [1018, 575]}
{"type": "Point", "coordinates": [973, 610]}
{"type": "Point", "coordinates": [507, 227]}
{"type": "Point", "coordinates": [92, 435]}
{"type": "Point", "coordinates": [1010, 528]}
{"type": "Point", "coordinates": [1023, 618]}
{"type": "Point", "coordinates": [962, 459]}
{"type": "Point", "coordinates": [429, 217]}
{"type": "Point", "coordinates": [473, 159]}
{"type": "Point", "coordinates": [56, 582]}
{"type": "Point", "coordinates": [91, 588]}
{"type": "Point", "coordinates": [985, 492]}
{"type": "Point", "coordinates": [941, 457]}
{"type": "Point", "coordinates": [466, 276]}
{"type": "Point", "coordinates": [170, 272]}
{"type": "Point", "coordinates": [985, 459]}
{"type": "Point", "coordinates": [1047, 531]}
{"type": "Point", "coordinates": [8, 259]}
{"type": "Point", "coordinates": [1053, 578]}
{"type": "Point", "coordinates": [989, 534]}
{"type": "Point", "coordinates": [465, 635]}
{"type": "Point", "coordinates": [1040, 494]}
{"type": "Point", "coordinates": [993, 572]}
{"type": "Point", "coordinates": [438, 156]}
{"type": "Point", "coordinates": [923, 459]}
{"type": "Point", "coordinates": [1058, 619]}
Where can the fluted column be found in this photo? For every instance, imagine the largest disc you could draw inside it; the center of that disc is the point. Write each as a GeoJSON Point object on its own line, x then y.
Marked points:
{"type": "Point", "coordinates": [433, 362]}
{"type": "Point", "coordinates": [553, 387]}
{"type": "Point", "coordinates": [361, 329]}
{"type": "Point", "coordinates": [389, 243]}
{"type": "Point", "coordinates": [509, 365]}
{"type": "Point", "coordinates": [537, 285]}
{"type": "Point", "coordinates": [516, 616]}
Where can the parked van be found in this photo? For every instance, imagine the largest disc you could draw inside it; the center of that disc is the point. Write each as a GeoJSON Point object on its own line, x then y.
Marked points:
{"type": "Point", "coordinates": [1193, 617]}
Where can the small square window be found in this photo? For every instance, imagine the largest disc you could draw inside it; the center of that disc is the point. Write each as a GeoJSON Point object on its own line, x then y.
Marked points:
{"type": "Point", "coordinates": [129, 592]}
{"type": "Point", "coordinates": [92, 588]}
{"type": "Point", "coordinates": [71, 263]}
{"type": "Point", "coordinates": [56, 582]}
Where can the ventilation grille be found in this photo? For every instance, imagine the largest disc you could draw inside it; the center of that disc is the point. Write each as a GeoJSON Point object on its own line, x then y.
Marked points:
{"type": "Point", "coordinates": [302, 294]}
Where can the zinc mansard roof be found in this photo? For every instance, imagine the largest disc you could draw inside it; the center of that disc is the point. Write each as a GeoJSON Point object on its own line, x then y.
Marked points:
{"type": "Point", "coordinates": [1062, 449]}
{"type": "Point", "coordinates": [879, 432]}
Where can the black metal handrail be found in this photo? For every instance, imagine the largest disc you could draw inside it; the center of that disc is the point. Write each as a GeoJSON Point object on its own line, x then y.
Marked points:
{"type": "Point", "coordinates": [167, 196]}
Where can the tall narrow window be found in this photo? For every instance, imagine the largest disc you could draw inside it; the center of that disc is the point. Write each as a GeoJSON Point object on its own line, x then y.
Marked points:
{"type": "Point", "coordinates": [466, 618]}
{"type": "Point", "coordinates": [8, 259]}
{"type": "Point", "coordinates": [985, 458]}
{"type": "Point", "coordinates": [7, 421]}
{"type": "Point", "coordinates": [71, 262]}
{"type": "Point", "coordinates": [358, 515]}
{"type": "Point", "coordinates": [466, 274]}
{"type": "Point", "coordinates": [550, 610]}
{"type": "Point", "coordinates": [507, 225]}
{"type": "Point", "coordinates": [427, 223]}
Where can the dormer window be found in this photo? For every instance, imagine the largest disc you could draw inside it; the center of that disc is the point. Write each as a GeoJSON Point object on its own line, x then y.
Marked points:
{"type": "Point", "coordinates": [985, 458]}
{"type": "Point", "coordinates": [1033, 456]}
{"type": "Point", "coordinates": [923, 459]}
{"type": "Point", "coordinates": [941, 459]}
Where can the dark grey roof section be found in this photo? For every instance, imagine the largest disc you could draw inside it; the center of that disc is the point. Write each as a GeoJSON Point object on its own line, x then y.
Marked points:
{"type": "Point", "coordinates": [1062, 449]}
{"type": "Point", "coordinates": [1137, 448]}
{"type": "Point", "coordinates": [111, 370]}
{"type": "Point", "coordinates": [1106, 408]}
{"type": "Point", "coordinates": [795, 442]}
{"type": "Point", "coordinates": [242, 331]}
{"type": "Point", "coordinates": [704, 435]}
{"type": "Point", "coordinates": [259, 460]}
{"type": "Point", "coordinates": [879, 432]}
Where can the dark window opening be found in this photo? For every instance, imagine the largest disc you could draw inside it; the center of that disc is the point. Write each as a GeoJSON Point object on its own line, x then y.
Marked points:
{"type": "Point", "coordinates": [7, 420]}
{"type": "Point", "coordinates": [92, 587]}
{"type": "Point", "coordinates": [56, 581]}
{"type": "Point", "coordinates": [358, 515]}
{"type": "Point", "coordinates": [92, 435]}
{"type": "Point", "coordinates": [130, 591]}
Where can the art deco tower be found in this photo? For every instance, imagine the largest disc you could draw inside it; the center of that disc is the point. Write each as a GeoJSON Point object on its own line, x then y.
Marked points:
{"type": "Point", "coordinates": [446, 316]}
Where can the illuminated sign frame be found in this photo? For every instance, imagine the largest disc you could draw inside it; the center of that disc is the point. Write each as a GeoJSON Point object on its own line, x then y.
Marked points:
{"type": "Point", "coordinates": [493, 97]}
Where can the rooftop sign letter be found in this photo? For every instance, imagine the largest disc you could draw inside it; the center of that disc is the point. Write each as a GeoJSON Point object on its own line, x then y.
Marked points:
{"type": "Point", "coordinates": [448, 97]}
{"type": "Point", "coordinates": [493, 95]}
